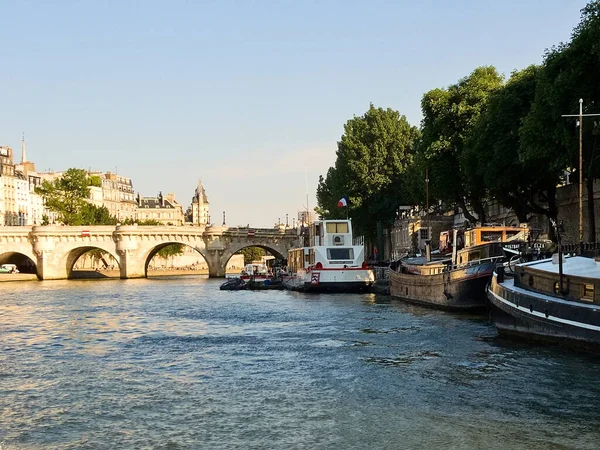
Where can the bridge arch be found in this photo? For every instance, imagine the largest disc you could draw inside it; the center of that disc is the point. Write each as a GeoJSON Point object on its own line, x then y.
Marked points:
{"type": "Point", "coordinates": [74, 254]}
{"type": "Point", "coordinates": [152, 251]}
{"type": "Point", "coordinates": [25, 263]}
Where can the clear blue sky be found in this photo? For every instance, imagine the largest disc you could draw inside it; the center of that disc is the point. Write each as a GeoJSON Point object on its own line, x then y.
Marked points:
{"type": "Point", "coordinates": [249, 96]}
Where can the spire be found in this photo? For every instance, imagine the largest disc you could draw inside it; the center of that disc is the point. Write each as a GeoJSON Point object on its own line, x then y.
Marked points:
{"type": "Point", "coordinates": [23, 153]}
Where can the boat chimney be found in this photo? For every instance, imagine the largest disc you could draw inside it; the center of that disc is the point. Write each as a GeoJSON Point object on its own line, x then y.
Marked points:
{"type": "Point", "coordinates": [428, 250]}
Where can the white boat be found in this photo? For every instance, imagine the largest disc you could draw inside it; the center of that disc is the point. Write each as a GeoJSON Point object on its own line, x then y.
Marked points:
{"type": "Point", "coordinates": [328, 261]}
{"type": "Point", "coordinates": [255, 271]}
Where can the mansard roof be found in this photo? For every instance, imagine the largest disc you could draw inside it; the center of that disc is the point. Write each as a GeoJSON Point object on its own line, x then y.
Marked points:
{"type": "Point", "coordinates": [200, 194]}
{"type": "Point", "coordinates": [154, 202]}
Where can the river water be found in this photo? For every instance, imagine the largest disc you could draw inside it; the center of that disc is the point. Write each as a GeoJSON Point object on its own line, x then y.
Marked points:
{"type": "Point", "coordinates": [175, 363]}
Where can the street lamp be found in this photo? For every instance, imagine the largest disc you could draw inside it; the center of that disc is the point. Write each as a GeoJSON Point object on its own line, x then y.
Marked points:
{"type": "Point", "coordinates": [580, 124]}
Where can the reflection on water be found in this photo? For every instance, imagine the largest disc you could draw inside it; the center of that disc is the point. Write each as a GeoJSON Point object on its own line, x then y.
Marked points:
{"type": "Point", "coordinates": [177, 363]}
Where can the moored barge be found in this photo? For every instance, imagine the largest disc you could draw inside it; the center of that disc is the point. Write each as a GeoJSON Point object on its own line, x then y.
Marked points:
{"type": "Point", "coordinates": [549, 301]}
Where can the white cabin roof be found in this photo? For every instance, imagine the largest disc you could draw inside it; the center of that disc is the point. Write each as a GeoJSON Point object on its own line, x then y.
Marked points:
{"type": "Point", "coordinates": [574, 265]}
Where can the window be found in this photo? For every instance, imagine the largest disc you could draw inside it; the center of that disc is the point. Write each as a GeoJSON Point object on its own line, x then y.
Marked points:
{"type": "Point", "coordinates": [337, 227]}
{"type": "Point", "coordinates": [588, 292]}
{"type": "Point", "coordinates": [424, 233]}
{"type": "Point", "coordinates": [340, 253]}
{"type": "Point", "coordinates": [491, 236]}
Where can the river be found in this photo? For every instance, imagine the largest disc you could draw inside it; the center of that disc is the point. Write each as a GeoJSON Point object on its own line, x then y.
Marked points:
{"type": "Point", "coordinates": [174, 363]}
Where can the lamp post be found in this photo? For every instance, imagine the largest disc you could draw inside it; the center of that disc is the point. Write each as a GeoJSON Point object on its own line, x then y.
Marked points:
{"type": "Point", "coordinates": [427, 199]}
{"type": "Point", "coordinates": [580, 116]}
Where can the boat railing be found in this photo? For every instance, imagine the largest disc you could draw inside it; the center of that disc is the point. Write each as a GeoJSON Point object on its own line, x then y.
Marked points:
{"type": "Point", "coordinates": [589, 249]}
{"type": "Point", "coordinates": [477, 262]}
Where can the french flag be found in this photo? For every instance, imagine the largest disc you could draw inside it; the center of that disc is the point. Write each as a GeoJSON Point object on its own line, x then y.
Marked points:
{"type": "Point", "coordinates": [342, 202]}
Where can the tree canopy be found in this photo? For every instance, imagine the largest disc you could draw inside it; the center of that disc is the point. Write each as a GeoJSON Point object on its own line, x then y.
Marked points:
{"type": "Point", "coordinates": [373, 154]}
{"type": "Point", "coordinates": [449, 117]}
{"type": "Point", "coordinates": [68, 195]}
{"type": "Point", "coordinates": [252, 254]}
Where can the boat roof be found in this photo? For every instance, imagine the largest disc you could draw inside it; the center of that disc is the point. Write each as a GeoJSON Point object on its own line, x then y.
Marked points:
{"type": "Point", "coordinates": [574, 265]}
{"type": "Point", "coordinates": [422, 260]}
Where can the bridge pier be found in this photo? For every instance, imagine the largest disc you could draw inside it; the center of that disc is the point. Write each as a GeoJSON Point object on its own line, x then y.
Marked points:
{"type": "Point", "coordinates": [131, 266]}
{"type": "Point", "coordinates": [49, 266]}
{"type": "Point", "coordinates": [216, 267]}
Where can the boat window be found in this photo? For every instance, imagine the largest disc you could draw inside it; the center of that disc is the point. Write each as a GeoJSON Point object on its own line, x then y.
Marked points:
{"type": "Point", "coordinates": [511, 234]}
{"type": "Point", "coordinates": [491, 236]}
{"type": "Point", "coordinates": [588, 292]}
{"type": "Point", "coordinates": [340, 253]}
{"type": "Point", "coordinates": [337, 227]}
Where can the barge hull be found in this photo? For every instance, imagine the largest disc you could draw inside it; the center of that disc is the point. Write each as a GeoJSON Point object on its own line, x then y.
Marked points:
{"type": "Point", "coordinates": [541, 319]}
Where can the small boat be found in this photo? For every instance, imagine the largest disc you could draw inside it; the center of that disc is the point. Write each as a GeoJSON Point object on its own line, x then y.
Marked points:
{"type": "Point", "coordinates": [255, 271]}
{"type": "Point", "coordinates": [270, 284]}
{"type": "Point", "coordinates": [328, 261]}
{"type": "Point", "coordinates": [234, 284]}
{"type": "Point", "coordinates": [457, 281]}
{"type": "Point", "coordinates": [555, 300]}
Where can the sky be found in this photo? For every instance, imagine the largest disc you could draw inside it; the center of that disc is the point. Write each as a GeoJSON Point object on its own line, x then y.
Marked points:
{"type": "Point", "coordinates": [251, 97]}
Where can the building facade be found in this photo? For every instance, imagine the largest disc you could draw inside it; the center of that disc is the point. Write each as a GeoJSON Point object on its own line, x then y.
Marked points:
{"type": "Point", "coordinates": [199, 213]}
{"type": "Point", "coordinates": [164, 210]}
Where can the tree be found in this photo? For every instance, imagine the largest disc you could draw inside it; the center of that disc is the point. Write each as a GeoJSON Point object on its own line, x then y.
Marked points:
{"type": "Point", "coordinates": [66, 195]}
{"type": "Point", "coordinates": [170, 251]}
{"type": "Point", "coordinates": [570, 72]}
{"type": "Point", "coordinates": [494, 148]}
{"type": "Point", "coordinates": [131, 221]}
{"type": "Point", "coordinates": [252, 254]}
{"type": "Point", "coordinates": [373, 155]}
{"type": "Point", "coordinates": [96, 215]}
{"type": "Point", "coordinates": [449, 116]}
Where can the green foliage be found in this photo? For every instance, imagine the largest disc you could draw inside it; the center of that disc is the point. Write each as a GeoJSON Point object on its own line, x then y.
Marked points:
{"type": "Point", "coordinates": [170, 250]}
{"type": "Point", "coordinates": [130, 221]}
{"type": "Point", "coordinates": [494, 147]}
{"type": "Point", "coordinates": [68, 197]}
{"type": "Point", "coordinates": [95, 180]}
{"type": "Point", "coordinates": [449, 116]}
{"type": "Point", "coordinates": [252, 254]}
{"type": "Point", "coordinates": [373, 156]}
{"type": "Point", "coordinates": [480, 139]}
{"type": "Point", "coordinates": [96, 215]}
{"type": "Point", "coordinates": [45, 219]}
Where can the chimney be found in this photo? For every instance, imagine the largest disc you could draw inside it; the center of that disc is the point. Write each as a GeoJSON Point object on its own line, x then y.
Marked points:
{"type": "Point", "coordinates": [23, 152]}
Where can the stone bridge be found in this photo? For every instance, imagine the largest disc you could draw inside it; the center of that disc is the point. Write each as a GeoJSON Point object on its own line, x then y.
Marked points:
{"type": "Point", "coordinates": [53, 250]}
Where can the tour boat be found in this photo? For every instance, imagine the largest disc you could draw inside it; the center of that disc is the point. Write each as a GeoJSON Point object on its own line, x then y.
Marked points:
{"type": "Point", "coordinates": [555, 300]}
{"type": "Point", "coordinates": [457, 281]}
{"type": "Point", "coordinates": [328, 261]}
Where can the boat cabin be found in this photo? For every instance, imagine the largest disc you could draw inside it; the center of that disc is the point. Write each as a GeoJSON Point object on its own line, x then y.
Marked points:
{"type": "Point", "coordinates": [495, 233]}
{"type": "Point", "coordinates": [580, 281]}
{"type": "Point", "coordinates": [255, 269]}
{"type": "Point", "coordinates": [328, 243]}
